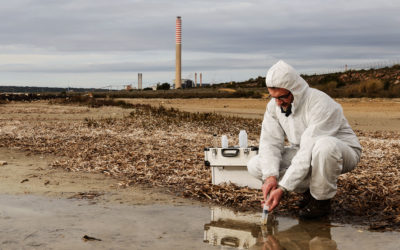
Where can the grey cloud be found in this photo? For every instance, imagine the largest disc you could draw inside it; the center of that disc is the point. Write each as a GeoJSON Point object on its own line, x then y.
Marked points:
{"type": "Point", "coordinates": [89, 68]}
{"type": "Point", "coordinates": [145, 25]}
{"type": "Point", "coordinates": [311, 34]}
{"type": "Point", "coordinates": [165, 66]}
{"type": "Point", "coordinates": [87, 27]}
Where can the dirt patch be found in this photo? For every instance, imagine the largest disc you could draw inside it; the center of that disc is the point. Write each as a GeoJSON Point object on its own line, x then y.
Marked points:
{"type": "Point", "coordinates": [27, 173]}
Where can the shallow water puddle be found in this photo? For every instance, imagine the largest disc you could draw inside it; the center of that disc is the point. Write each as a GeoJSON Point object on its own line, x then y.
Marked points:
{"type": "Point", "coordinates": [244, 230]}
{"type": "Point", "coordinates": [33, 222]}
{"type": "Point", "coordinates": [41, 223]}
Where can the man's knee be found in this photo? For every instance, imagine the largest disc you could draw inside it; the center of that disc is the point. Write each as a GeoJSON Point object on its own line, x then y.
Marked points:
{"type": "Point", "coordinates": [253, 167]}
{"type": "Point", "coordinates": [327, 165]}
{"type": "Point", "coordinates": [326, 147]}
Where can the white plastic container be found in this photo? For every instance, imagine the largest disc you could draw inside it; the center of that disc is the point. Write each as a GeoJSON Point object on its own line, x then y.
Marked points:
{"type": "Point", "coordinates": [230, 165]}
{"type": "Point", "coordinates": [224, 141]}
{"type": "Point", "coordinates": [243, 139]}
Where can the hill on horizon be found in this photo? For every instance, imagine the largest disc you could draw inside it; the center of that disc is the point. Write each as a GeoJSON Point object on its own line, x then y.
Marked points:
{"type": "Point", "coordinates": [382, 82]}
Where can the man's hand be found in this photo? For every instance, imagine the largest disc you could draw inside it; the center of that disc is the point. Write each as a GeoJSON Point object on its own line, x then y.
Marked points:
{"type": "Point", "coordinates": [272, 244]}
{"type": "Point", "coordinates": [269, 185]}
{"type": "Point", "coordinates": [274, 198]}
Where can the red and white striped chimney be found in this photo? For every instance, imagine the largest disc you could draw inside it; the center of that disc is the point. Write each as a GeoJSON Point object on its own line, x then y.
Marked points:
{"type": "Point", "coordinates": [178, 37]}
{"type": "Point", "coordinates": [178, 30]}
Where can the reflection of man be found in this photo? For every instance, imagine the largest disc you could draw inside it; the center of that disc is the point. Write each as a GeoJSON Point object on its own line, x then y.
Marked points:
{"type": "Point", "coordinates": [322, 143]}
{"type": "Point", "coordinates": [305, 235]}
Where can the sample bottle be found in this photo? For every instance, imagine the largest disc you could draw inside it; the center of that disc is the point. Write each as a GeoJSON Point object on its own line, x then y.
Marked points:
{"type": "Point", "coordinates": [215, 141]}
{"type": "Point", "coordinates": [243, 139]}
{"type": "Point", "coordinates": [264, 216]}
{"type": "Point", "coordinates": [224, 141]}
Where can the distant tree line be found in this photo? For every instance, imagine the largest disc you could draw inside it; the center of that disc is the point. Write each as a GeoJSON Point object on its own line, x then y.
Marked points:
{"type": "Point", "coordinates": [164, 86]}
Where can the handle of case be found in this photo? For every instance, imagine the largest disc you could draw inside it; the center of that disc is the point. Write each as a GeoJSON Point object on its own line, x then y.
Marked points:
{"type": "Point", "coordinates": [230, 241]}
{"type": "Point", "coordinates": [230, 152]}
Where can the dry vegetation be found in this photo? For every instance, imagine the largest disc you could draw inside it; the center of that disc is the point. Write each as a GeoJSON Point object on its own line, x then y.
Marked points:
{"type": "Point", "coordinates": [164, 147]}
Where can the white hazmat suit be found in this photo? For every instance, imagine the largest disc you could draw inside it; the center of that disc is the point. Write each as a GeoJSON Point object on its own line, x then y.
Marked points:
{"type": "Point", "coordinates": [322, 144]}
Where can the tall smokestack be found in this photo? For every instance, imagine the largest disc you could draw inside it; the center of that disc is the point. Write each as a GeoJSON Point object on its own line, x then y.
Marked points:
{"type": "Point", "coordinates": [139, 80]}
{"type": "Point", "coordinates": [195, 79]}
{"type": "Point", "coordinates": [178, 81]}
{"type": "Point", "coordinates": [201, 78]}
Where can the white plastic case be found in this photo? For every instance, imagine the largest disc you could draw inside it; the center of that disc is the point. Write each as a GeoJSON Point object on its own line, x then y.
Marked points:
{"type": "Point", "coordinates": [230, 165]}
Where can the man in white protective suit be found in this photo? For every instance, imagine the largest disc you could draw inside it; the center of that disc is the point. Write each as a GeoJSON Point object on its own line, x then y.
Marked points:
{"type": "Point", "coordinates": [321, 143]}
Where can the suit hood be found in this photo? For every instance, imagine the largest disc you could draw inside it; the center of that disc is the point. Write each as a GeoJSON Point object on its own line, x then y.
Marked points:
{"type": "Point", "coordinates": [282, 75]}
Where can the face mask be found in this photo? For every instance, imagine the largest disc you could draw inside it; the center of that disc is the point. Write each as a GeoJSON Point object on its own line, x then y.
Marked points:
{"type": "Point", "coordinates": [288, 110]}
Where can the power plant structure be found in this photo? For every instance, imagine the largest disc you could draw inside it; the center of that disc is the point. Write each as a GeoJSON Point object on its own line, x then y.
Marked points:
{"type": "Point", "coordinates": [178, 37]}
{"type": "Point", "coordinates": [139, 80]}
{"type": "Point", "coordinates": [178, 61]}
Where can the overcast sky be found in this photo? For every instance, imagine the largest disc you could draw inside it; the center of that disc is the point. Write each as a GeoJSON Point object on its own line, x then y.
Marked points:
{"type": "Point", "coordinates": [95, 43]}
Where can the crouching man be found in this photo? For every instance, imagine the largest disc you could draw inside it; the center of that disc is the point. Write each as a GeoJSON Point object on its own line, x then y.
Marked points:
{"type": "Point", "coordinates": [322, 144]}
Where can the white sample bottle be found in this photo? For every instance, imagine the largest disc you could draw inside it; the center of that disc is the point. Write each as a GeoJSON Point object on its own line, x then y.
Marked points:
{"type": "Point", "coordinates": [243, 139]}
{"type": "Point", "coordinates": [224, 141]}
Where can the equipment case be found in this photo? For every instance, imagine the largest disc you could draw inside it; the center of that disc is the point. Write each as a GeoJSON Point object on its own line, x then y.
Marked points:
{"type": "Point", "coordinates": [230, 165]}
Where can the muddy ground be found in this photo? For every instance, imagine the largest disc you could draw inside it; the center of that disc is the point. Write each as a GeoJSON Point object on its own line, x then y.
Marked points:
{"type": "Point", "coordinates": [31, 174]}
{"type": "Point", "coordinates": [71, 151]}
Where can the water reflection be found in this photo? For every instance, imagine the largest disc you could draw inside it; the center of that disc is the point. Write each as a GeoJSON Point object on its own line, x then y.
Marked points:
{"type": "Point", "coordinates": [244, 231]}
